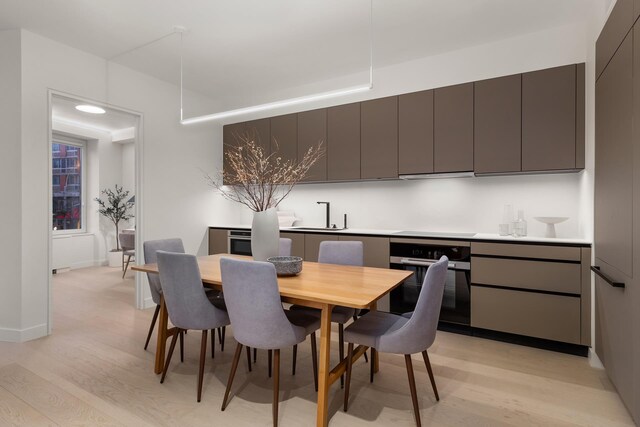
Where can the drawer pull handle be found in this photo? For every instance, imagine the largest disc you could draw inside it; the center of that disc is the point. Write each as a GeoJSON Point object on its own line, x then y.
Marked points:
{"type": "Point", "coordinates": [606, 278]}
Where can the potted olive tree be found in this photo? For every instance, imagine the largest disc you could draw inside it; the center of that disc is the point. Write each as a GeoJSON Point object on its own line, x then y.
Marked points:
{"type": "Point", "coordinates": [115, 208]}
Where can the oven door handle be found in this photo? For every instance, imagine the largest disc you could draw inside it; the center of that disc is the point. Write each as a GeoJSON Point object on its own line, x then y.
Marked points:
{"type": "Point", "coordinates": [421, 263]}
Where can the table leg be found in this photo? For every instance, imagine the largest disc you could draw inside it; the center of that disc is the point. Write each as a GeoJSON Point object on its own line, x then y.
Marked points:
{"type": "Point", "coordinates": [323, 366]}
{"type": "Point", "coordinates": [162, 337]}
{"type": "Point", "coordinates": [376, 362]}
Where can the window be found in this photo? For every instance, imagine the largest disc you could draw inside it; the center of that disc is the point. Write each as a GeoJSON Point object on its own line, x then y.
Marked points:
{"type": "Point", "coordinates": [67, 182]}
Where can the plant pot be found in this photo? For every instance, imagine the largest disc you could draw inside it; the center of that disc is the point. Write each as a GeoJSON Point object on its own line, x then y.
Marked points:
{"type": "Point", "coordinates": [265, 235]}
{"type": "Point", "coordinates": [114, 258]}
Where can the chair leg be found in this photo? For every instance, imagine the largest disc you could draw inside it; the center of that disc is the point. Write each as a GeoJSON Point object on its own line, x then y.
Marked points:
{"type": "Point", "coordinates": [232, 373]}
{"type": "Point", "coordinates": [203, 356]}
{"type": "Point", "coordinates": [374, 355]}
{"type": "Point", "coordinates": [249, 358]}
{"type": "Point", "coordinates": [427, 363]}
{"type": "Point", "coordinates": [366, 358]}
{"type": "Point", "coordinates": [153, 324]}
{"type": "Point", "coordinates": [255, 355]}
{"type": "Point", "coordinates": [341, 349]}
{"type": "Point", "coordinates": [269, 360]}
{"type": "Point", "coordinates": [224, 330]}
{"type": "Point", "coordinates": [126, 266]}
{"type": "Point", "coordinates": [166, 364]}
{"type": "Point", "coordinates": [295, 358]}
{"type": "Point", "coordinates": [314, 359]}
{"type": "Point", "coordinates": [349, 368]}
{"type": "Point", "coordinates": [213, 343]}
{"type": "Point", "coordinates": [181, 346]}
{"type": "Point", "coordinates": [276, 385]}
{"type": "Point", "coordinates": [412, 386]}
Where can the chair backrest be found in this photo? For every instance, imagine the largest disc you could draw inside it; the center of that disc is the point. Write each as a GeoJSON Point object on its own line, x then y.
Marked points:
{"type": "Point", "coordinates": [150, 248]}
{"type": "Point", "coordinates": [127, 241]}
{"type": "Point", "coordinates": [285, 247]}
{"type": "Point", "coordinates": [187, 303]}
{"type": "Point", "coordinates": [341, 252]}
{"type": "Point", "coordinates": [419, 332]}
{"type": "Point", "coordinates": [253, 303]}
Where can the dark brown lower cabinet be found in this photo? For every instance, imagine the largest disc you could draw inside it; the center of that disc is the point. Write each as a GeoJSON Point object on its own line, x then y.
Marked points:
{"type": "Point", "coordinates": [297, 243]}
{"type": "Point", "coordinates": [312, 245]}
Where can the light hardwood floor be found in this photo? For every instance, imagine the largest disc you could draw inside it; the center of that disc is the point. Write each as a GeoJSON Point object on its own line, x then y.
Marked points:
{"type": "Point", "coordinates": [93, 371]}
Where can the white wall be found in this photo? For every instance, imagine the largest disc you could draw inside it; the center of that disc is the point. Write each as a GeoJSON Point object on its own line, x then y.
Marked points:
{"type": "Point", "coordinates": [176, 200]}
{"type": "Point", "coordinates": [10, 190]}
{"type": "Point", "coordinates": [473, 204]}
{"type": "Point", "coordinates": [128, 180]}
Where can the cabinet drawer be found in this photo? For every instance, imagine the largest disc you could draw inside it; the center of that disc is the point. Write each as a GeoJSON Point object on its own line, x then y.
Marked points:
{"type": "Point", "coordinates": [565, 253]}
{"type": "Point", "coordinates": [538, 275]}
{"type": "Point", "coordinates": [531, 314]}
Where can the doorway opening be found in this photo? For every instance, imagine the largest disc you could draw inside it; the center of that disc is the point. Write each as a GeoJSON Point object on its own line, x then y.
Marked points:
{"type": "Point", "coordinates": [95, 152]}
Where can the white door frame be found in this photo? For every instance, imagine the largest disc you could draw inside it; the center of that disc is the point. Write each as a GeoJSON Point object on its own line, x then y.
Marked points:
{"type": "Point", "coordinates": [139, 164]}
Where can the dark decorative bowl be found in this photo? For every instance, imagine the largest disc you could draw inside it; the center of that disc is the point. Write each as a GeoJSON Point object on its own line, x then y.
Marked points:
{"type": "Point", "coordinates": [286, 265]}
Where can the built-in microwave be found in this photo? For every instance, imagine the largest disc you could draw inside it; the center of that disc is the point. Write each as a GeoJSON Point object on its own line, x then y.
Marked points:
{"type": "Point", "coordinates": [239, 242]}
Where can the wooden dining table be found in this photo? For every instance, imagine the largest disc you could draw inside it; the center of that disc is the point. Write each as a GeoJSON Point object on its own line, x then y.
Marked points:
{"type": "Point", "coordinates": [321, 286]}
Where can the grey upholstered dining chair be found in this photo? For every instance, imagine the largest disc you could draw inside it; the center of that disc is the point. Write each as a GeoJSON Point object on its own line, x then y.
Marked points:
{"type": "Point", "coordinates": [259, 320]}
{"type": "Point", "coordinates": [342, 253]}
{"type": "Point", "coordinates": [391, 333]}
{"type": "Point", "coordinates": [128, 245]}
{"type": "Point", "coordinates": [187, 303]}
{"type": "Point", "coordinates": [151, 248]}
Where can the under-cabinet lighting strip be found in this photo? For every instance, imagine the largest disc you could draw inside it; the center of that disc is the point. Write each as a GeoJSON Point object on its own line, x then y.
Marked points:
{"type": "Point", "coordinates": [284, 102]}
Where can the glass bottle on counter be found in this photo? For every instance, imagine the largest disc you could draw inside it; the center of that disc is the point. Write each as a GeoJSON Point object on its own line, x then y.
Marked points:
{"type": "Point", "coordinates": [520, 225]}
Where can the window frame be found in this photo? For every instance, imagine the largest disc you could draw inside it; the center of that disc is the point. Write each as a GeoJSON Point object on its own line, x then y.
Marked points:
{"type": "Point", "coordinates": [82, 144]}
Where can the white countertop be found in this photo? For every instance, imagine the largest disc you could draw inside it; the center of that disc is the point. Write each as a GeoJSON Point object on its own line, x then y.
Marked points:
{"type": "Point", "coordinates": [426, 234]}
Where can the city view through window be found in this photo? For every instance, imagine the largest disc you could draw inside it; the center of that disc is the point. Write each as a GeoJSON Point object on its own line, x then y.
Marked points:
{"type": "Point", "coordinates": [67, 186]}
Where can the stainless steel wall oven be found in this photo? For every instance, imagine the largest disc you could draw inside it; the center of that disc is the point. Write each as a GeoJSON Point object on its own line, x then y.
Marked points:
{"type": "Point", "coordinates": [239, 242]}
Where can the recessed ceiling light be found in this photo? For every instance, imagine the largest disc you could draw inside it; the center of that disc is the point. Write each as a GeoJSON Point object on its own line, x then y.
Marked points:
{"type": "Point", "coordinates": [91, 109]}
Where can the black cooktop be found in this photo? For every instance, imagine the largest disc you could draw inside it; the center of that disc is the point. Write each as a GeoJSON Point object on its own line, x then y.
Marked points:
{"type": "Point", "coordinates": [433, 234]}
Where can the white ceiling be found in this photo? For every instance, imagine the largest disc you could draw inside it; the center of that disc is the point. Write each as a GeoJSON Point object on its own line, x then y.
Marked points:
{"type": "Point", "coordinates": [246, 46]}
{"type": "Point", "coordinates": [64, 109]}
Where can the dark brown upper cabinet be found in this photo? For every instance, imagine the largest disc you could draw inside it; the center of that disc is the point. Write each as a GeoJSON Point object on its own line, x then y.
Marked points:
{"type": "Point", "coordinates": [343, 142]}
{"type": "Point", "coordinates": [497, 143]}
{"type": "Point", "coordinates": [549, 119]}
{"type": "Point", "coordinates": [379, 138]}
{"type": "Point", "coordinates": [619, 23]}
{"type": "Point", "coordinates": [453, 129]}
{"type": "Point", "coordinates": [284, 137]}
{"type": "Point", "coordinates": [312, 130]}
{"type": "Point", "coordinates": [415, 133]}
{"type": "Point", "coordinates": [260, 130]}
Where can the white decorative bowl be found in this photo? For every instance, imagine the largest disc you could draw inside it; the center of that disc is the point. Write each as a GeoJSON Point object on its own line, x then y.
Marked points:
{"type": "Point", "coordinates": [551, 222]}
{"type": "Point", "coordinates": [286, 265]}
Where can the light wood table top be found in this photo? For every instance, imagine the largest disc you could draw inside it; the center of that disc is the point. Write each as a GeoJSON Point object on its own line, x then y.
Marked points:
{"type": "Point", "coordinates": [356, 287]}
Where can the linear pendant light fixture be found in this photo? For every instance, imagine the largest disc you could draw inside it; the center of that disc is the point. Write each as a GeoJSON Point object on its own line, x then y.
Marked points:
{"type": "Point", "coordinates": [285, 102]}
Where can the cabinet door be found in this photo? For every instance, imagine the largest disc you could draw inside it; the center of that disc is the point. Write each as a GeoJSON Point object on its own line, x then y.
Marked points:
{"type": "Point", "coordinates": [453, 129]}
{"type": "Point", "coordinates": [376, 250]}
{"type": "Point", "coordinates": [618, 24]}
{"type": "Point", "coordinates": [343, 136]}
{"type": "Point", "coordinates": [312, 130]}
{"type": "Point", "coordinates": [312, 245]}
{"type": "Point", "coordinates": [284, 137]}
{"type": "Point", "coordinates": [379, 138]}
{"type": "Point", "coordinates": [549, 119]}
{"type": "Point", "coordinates": [297, 243]}
{"type": "Point", "coordinates": [497, 142]}
{"type": "Point", "coordinates": [613, 221]}
{"type": "Point", "coordinates": [415, 133]}
{"type": "Point", "coordinates": [218, 241]}
{"type": "Point", "coordinates": [614, 162]}
{"type": "Point", "coordinates": [231, 135]}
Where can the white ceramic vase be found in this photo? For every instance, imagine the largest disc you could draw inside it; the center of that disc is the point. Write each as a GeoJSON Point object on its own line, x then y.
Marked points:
{"type": "Point", "coordinates": [265, 235]}
{"type": "Point", "coordinates": [114, 258]}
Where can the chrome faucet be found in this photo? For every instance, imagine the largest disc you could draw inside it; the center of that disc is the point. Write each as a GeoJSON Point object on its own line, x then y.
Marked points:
{"type": "Point", "coordinates": [328, 212]}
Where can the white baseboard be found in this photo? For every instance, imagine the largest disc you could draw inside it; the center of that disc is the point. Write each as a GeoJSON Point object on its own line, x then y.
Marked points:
{"type": "Point", "coordinates": [594, 360]}
{"type": "Point", "coordinates": [21, 335]}
{"type": "Point", "coordinates": [148, 303]}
